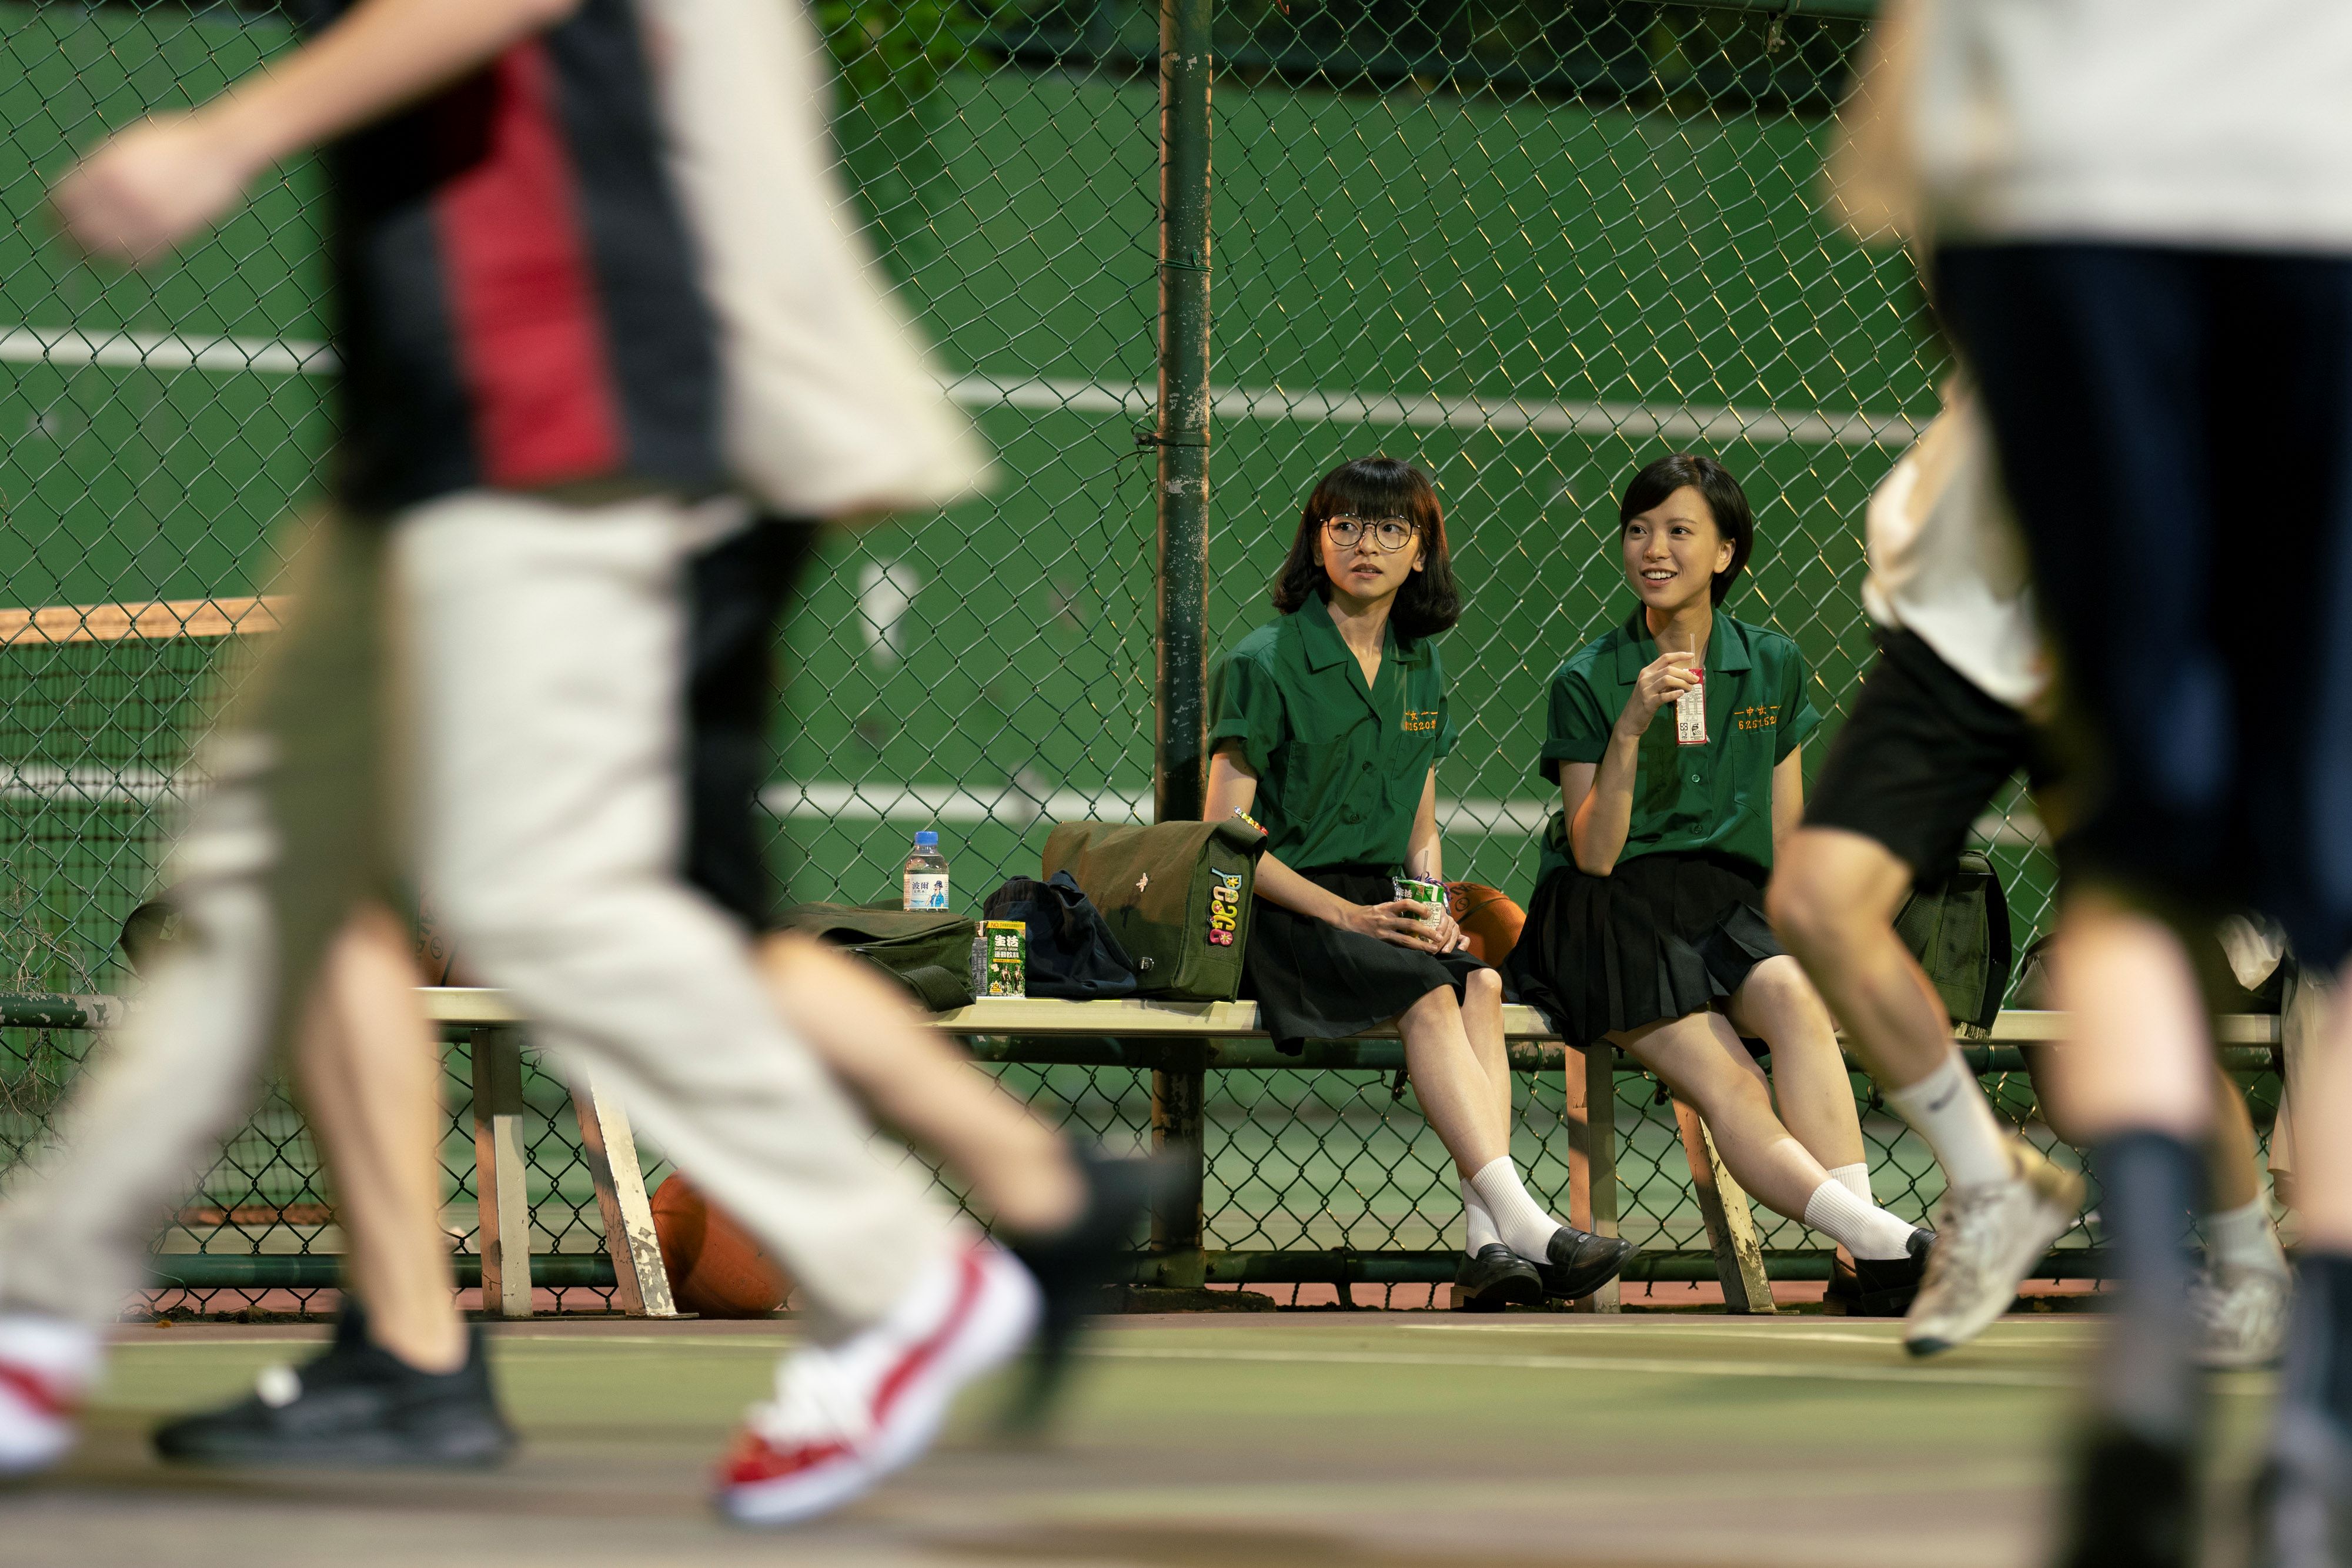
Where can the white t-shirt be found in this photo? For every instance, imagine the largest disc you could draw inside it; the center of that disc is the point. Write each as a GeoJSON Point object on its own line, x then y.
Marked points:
{"type": "Point", "coordinates": [2219, 123]}
{"type": "Point", "coordinates": [1947, 562]}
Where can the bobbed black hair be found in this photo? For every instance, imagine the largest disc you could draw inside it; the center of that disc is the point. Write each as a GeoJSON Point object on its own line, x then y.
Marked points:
{"type": "Point", "coordinates": [1728, 503]}
{"type": "Point", "coordinates": [1428, 602]}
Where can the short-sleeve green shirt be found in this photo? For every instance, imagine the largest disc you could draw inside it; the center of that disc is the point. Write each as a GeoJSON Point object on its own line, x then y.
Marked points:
{"type": "Point", "coordinates": [1717, 797]}
{"type": "Point", "coordinates": [1340, 766]}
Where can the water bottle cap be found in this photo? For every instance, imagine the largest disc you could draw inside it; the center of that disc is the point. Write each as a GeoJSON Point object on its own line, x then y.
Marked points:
{"type": "Point", "coordinates": [926, 838]}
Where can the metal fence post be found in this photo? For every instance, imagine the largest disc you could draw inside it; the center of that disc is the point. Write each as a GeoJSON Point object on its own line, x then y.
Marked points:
{"type": "Point", "coordinates": [1178, 765]}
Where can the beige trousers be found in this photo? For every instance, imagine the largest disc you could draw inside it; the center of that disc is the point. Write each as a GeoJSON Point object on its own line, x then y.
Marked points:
{"type": "Point", "coordinates": [542, 650]}
{"type": "Point", "coordinates": [537, 651]}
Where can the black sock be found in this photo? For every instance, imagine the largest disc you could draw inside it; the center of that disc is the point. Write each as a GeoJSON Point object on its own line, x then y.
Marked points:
{"type": "Point", "coordinates": [2151, 1183]}
{"type": "Point", "coordinates": [2319, 1348]}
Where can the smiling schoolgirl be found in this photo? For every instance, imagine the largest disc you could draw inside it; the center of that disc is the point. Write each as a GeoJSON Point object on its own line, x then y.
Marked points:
{"type": "Point", "coordinates": [1327, 724]}
{"type": "Point", "coordinates": [1675, 741]}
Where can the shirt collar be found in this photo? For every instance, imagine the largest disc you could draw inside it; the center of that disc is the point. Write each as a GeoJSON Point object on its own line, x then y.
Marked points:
{"type": "Point", "coordinates": [1726, 646]}
{"type": "Point", "coordinates": [1323, 647]}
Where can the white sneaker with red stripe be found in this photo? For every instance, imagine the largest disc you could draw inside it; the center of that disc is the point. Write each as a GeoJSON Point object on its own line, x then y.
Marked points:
{"type": "Point", "coordinates": [845, 1415]}
{"type": "Point", "coordinates": [47, 1364]}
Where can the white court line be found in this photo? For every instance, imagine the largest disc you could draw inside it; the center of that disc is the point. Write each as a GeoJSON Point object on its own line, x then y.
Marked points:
{"type": "Point", "coordinates": [1760, 1334]}
{"type": "Point", "coordinates": [1765, 1331]}
{"type": "Point", "coordinates": [1979, 1377]}
{"type": "Point", "coordinates": [1509, 415]}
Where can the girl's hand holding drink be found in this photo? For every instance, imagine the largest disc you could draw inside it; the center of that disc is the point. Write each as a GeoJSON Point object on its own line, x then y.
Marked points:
{"type": "Point", "coordinates": [1428, 898]}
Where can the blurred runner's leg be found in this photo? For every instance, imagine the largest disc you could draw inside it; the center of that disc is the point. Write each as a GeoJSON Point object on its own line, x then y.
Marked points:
{"type": "Point", "coordinates": [2195, 548]}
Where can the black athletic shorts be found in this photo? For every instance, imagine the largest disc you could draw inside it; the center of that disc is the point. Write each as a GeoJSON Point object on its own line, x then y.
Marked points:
{"type": "Point", "coordinates": [2212, 674]}
{"type": "Point", "coordinates": [1922, 755]}
{"type": "Point", "coordinates": [740, 589]}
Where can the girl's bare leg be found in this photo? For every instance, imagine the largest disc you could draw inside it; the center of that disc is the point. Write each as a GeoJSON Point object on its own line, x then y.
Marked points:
{"type": "Point", "coordinates": [1455, 1090]}
{"type": "Point", "coordinates": [370, 1074]}
{"type": "Point", "coordinates": [1702, 1064]}
{"type": "Point", "coordinates": [1701, 1059]}
{"type": "Point", "coordinates": [1481, 1021]}
{"type": "Point", "coordinates": [863, 1030]}
{"type": "Point", "coordinates": [1778, 1005]}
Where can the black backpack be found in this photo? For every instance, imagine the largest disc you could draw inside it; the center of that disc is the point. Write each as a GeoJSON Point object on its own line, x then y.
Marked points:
{"type": "Point", "coordinates": [1072, 954]}
{"type": "Point", "coordinates": [1958, 930]}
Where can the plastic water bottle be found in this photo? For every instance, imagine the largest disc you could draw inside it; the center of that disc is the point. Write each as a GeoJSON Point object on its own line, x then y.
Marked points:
{"type": "Point", "coordinates": [927, 874]}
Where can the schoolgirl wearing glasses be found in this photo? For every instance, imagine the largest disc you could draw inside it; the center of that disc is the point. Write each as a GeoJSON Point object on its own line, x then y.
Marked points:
{"type": "Point", "coordinates": [1327, 726]}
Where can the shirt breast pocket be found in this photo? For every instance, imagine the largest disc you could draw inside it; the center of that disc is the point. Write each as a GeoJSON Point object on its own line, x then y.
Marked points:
{"type": "Point", "coordinates": [1320, 767]}
{"type": "Point", "coordinates": [1755, 733]}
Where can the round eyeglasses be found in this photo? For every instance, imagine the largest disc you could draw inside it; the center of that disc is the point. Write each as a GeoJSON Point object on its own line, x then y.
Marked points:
{"type": "Point", "coordinates": [1391, 534]}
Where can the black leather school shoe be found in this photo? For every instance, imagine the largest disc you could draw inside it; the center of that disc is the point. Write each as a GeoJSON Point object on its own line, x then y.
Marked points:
{"type": "Point", "coordinates": [1576, 1264]}
{"type": "Point", "coordinates": [1494, 1278]}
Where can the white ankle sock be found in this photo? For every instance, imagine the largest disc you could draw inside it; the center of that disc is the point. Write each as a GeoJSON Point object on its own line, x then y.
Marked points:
{"type": "Point", "coordinates": [1862, 1228]}
{"type": "Point", "coordinates": [1477, 1225]}
{"type": "Point", "coordinates": [1520, 1220]}
{"type": "Point", "coordinates": [1951, 1112]}
{"type": "Point", "coordinates": [1855, 1179]}
{"type": "Point", "coordinates": [2242, 1239]}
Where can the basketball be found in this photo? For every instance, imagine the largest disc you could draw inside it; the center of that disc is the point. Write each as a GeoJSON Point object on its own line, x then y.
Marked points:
{"type": "Point", "coordinates": [1488, 917]}
{"type": "Point", "coordinates": [715, 1267]}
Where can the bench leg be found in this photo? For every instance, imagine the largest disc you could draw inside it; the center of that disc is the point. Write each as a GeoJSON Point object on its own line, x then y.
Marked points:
{"type": "Point", "coordinates": [503, 1221]}
{"type": "Point", "coordinates": [1178, 1129]}
{"type": "Point", "coordinates": [1731, 1226]}
{"type": "Point", "coordinates": [640, 1283]}
{"type": "Point", "coordinates": [1591, 1113]}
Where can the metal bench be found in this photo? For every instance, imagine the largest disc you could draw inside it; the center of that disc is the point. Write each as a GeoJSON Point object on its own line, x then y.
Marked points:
{"type": "Point", "coordinates": [1180, 1043]}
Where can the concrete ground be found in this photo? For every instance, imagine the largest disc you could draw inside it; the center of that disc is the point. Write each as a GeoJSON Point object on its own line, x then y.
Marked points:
{"type": "Point", "coordinates": [1291, 1439]}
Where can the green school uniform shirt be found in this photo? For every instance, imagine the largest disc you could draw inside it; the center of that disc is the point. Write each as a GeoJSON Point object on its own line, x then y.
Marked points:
{"type": "Point", "coordinates": [1340, 764]}
{"type": "Point", "coordinates": [1717, 797]}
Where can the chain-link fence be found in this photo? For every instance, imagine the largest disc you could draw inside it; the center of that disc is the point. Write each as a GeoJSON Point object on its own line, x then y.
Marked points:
{"type": "Point", "coordinates": [1529, 246]}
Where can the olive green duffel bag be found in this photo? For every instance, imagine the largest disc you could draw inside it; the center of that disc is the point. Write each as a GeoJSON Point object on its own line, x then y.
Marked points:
{"type": "Point", "coordinates": [1176, 894]}
{"type": "Point", "coordinates": [1958, 930]}
{"type": "Point", "coordinates": [926, 952]}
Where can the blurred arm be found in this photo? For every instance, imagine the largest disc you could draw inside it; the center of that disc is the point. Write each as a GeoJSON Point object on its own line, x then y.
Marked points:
{"type": "Point", "coordinates": [152, 186]}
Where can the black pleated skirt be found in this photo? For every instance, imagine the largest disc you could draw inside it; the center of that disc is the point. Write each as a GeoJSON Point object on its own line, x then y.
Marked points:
{"type": "Point", "coordinates": [1662, 937]}
{"type": "Point", "coordinates": [1311, 980]}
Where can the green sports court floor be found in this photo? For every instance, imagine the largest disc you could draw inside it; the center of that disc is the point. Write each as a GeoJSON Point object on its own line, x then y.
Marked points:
{"type": "Point", "coordinates": [1670, 1441]}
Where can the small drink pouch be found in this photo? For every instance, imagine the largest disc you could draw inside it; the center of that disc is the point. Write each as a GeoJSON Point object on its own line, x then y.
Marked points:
{"type": "Point", "coordinates": [1415, 890]}
{"type": "Point", "coordinates": [1690, 716]}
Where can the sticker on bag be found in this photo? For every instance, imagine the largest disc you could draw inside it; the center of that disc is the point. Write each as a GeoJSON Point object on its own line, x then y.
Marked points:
{"type": "Point", "coordinates": [1224, 908]}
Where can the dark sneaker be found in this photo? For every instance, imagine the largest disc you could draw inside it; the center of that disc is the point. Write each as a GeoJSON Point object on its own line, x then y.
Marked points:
{"type": "Point", "coordinates": [1885, 1287]}
{"type": "Point", "coordinates": [1494, 1278]}
{"type": "Point", "coordinates": [2131, 1504]}
{"type": "Point", "coordinates": [1577, 1262]}
{"type": "Point", "coordinates": [353, 1404]}
{"type": "Point", "coordinates": [1071, 1266]}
